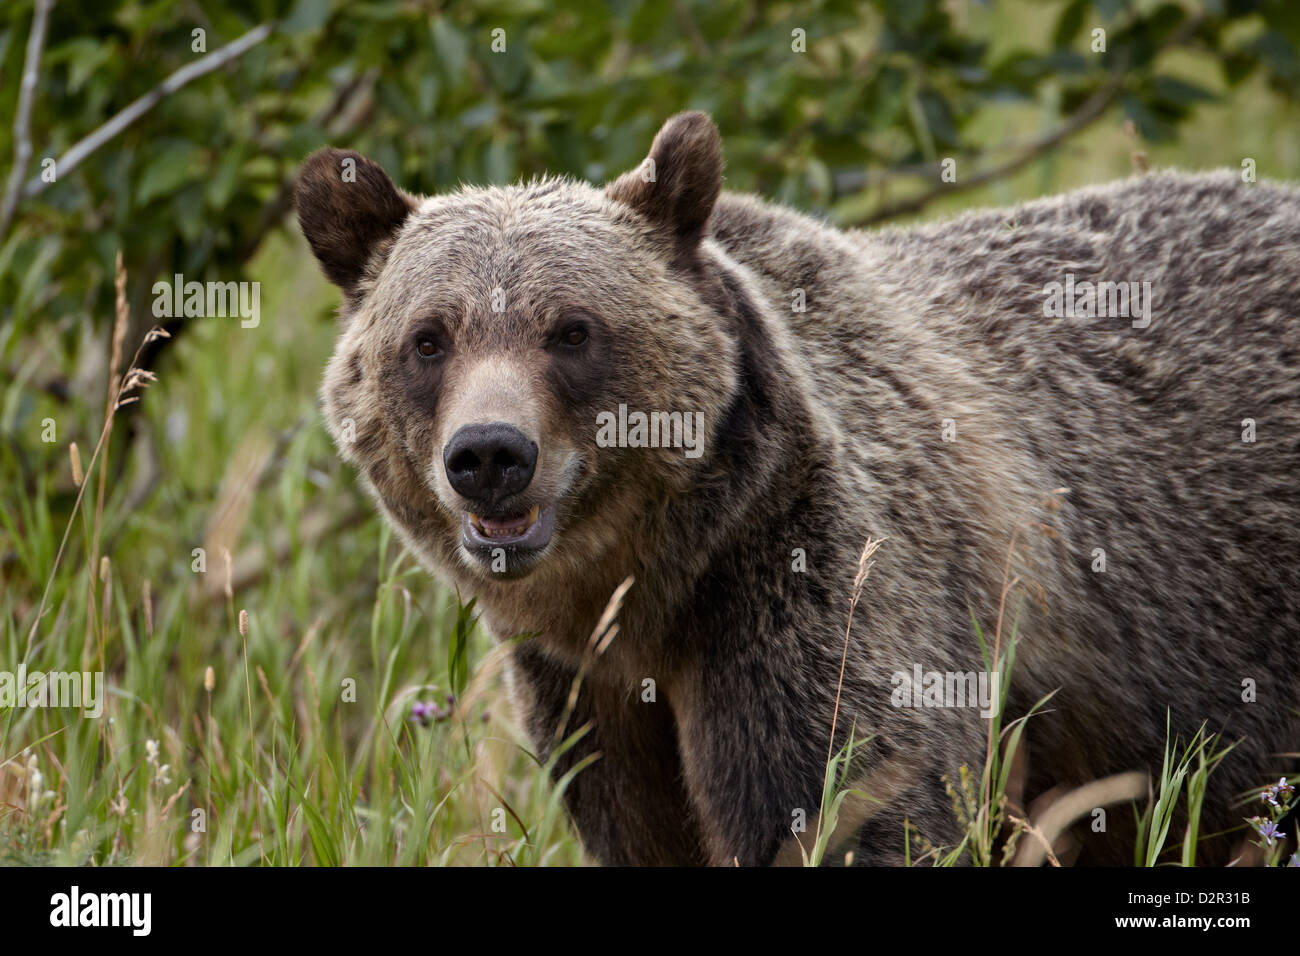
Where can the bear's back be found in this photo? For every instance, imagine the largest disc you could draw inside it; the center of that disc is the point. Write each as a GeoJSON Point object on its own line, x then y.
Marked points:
{"type": "Point", "coordinates": [1175, 431]}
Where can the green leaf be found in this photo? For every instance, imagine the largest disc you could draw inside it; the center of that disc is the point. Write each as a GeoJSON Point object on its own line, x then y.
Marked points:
{"type": "Point", "coordinates": [84, 56]}
{"type": "Point", "coordinates": [1069, 23]}
{"type": "Point", "coordinates": [322, 841]}
{"type": "Point", "coordinates": [1180, 91]}
{"type": "Point", "coordinates": [172, 164]}
{"type": "Point", "coordinates": [307, 15]}
{"type": "Point", "coordinates": [458, 648]}
{"type": "Point", "coordinates": [452, 49]}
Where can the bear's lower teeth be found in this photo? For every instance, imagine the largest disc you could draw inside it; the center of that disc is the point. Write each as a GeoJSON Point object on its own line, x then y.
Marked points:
{"type": "Point", "coordinates": [513, 531]}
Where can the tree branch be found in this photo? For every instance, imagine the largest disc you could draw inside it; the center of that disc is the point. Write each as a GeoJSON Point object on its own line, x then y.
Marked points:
{"type": "Point", "coordinates": [191, 71]}
{"type": "Point", "coordinates": [351, 103]}
{"type": "Point", "coordinates": [23, 117]}
{"type": "Point", "coordinates": [1092, 110]}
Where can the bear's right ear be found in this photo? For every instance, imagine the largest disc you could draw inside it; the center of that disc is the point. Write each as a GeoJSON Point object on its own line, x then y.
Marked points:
{"type": "Point", "coordinates": [350, 212]}
{"type": "Point", "coordinates": [678, 184]}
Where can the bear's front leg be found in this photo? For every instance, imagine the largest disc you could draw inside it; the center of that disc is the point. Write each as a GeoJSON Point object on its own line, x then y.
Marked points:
{"type": "Point", "coordinates": [629, 806]}
{"type": "Point", "coordinates": [755, 733]}
{"type": "Point", "coordinates": [754, 752]}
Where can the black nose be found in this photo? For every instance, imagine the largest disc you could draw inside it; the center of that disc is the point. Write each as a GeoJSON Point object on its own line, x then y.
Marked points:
{"type": "Point", "coordinates": [489, 462]}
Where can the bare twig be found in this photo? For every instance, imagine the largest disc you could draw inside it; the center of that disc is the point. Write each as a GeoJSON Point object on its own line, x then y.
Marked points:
{"type": "Point", "coordinates": [859, 579]}
{"type": "Point", "coordinates": [23, 117]}
{"type": "Point", "coordinates": [1092, 110]}
{"type": "Point", "coordinates": [1063, 812]}
{"type": "Point", "coordinates": [191, 71]}
{"type": "Point", "coordinates": [113, 395]}
{"type": "Point", "coordinates": [865, 565]}
{"type": "Point", "coordinates": [130, 383]}
{"type": "Point", "coordinates": [348, 109]}
{"type": "Point", "coordinates": [605, 631]}
{"type": "Point", "coordinates": [1037, 834]}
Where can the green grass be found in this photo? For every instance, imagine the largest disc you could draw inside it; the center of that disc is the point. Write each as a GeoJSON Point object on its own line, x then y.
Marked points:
{"type": "Point", "coordinates": [304, 751]}
{"type": "Point", "coordinates": [227, 450]}
{"type": "Point", "coordinates": [1189, 770]}
{"type": "Point", "coordinates": [290, 767]}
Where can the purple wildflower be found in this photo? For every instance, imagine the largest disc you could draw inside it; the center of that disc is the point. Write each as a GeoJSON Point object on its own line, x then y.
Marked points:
{"type": "Point", "coordinates": [1279, 789]}
{"type": "Point", "coordinates": [1269, 831]}
{"type": "Point", "coordinates": [423, 712]}
{"type": "Point", "coordinates": [427, 713]}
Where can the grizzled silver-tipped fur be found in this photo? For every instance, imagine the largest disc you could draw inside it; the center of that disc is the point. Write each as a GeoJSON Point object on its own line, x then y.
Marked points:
{"type": "Point", "coordinates": [914, 385]}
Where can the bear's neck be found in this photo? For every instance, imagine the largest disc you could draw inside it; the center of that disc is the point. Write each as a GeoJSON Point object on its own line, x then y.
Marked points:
{"type": "Point", "coordinates": [760, 470]}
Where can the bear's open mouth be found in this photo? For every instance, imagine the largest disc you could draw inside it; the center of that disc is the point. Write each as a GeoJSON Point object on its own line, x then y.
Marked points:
{"type": "Point", "coordinates": [529, 530]}
{"type": "Point", "coordinates": [515, 527]}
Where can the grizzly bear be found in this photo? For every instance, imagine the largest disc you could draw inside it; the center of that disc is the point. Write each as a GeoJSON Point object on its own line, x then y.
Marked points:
{"type": "Point", "coordinates": [551, 388]}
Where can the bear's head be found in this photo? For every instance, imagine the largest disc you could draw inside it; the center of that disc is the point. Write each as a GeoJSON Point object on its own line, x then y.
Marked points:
{"type": "Point", "coordinates": [510, 357]}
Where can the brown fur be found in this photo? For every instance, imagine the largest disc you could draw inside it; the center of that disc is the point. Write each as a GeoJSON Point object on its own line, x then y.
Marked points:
{"type": "Point", "coordinates": [824, 429]}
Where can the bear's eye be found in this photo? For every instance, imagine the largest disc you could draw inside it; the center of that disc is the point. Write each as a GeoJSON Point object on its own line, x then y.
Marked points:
{"type": "Point", "coordinates": [573, 336]}
{"type": "Point", "coordinates": [427, 348]}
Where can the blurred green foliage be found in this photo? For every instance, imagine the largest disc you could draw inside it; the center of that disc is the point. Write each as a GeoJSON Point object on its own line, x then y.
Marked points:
{"type": "Point", "coordinates": [891, 85]}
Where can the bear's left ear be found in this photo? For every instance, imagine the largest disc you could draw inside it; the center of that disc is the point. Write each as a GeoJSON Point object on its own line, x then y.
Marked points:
{"type": "Point", "coordinates": [678, 184]}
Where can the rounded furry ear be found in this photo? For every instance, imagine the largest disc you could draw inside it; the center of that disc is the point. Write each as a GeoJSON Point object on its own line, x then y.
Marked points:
{"type": "Point", "coordinates": [678, 184]}
{"type": "Point", "coordinates": [350, 212]}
